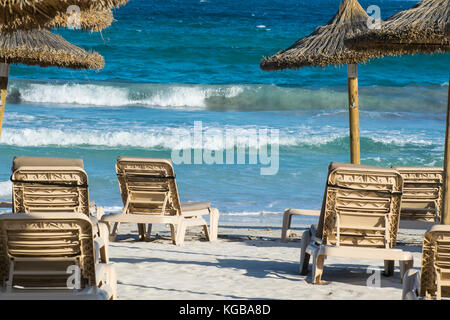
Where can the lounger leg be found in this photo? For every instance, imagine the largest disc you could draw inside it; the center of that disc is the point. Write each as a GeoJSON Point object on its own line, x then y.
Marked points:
{"type": "Point", "coordinates": [149, 232]}
{"type": "Point", "coordinates": [404, 267]}
{"type": "Point", "coordinates": [115, 229]}
{"type": "Point", "coordinates": [409, 290]}
{"type": "Point", "coordinates": [287, 217]}
{"type": "Point", "coordinates": [172, 232]}
{"type": "Point", "coordinates": [213, 224]}
{"type": "Point", "coordinates": [141, 231]}
{"type": "Point", "coordinates": [389, 268]}
{"type": "Point", "coordinates": [104, 235]}
{"type": "Point", "coordinates": [317, 268]}
{"type": "Point", "coordinates": [109, 278]}
{"type": "Point", "coordinates": [181, 233]}
{"type": "Point", "coordinates": [304, 256]}
{"type": "Point", "coordinates": [207, 233]}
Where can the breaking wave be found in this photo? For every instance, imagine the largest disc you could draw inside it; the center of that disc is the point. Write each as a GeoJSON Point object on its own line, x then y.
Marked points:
{"type": "Point", "coordinates": [250, 97]}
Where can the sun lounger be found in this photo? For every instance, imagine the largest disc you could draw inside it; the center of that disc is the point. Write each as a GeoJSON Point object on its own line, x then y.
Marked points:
{"type": "Point", "coordinates": [149, 194]}
{"type": "Point", "coordinates": [48, 255]}
{"type": "Point", "coordinates": [287, 219]}
{"type": "Point", "coordinates": [55, 185]}
{"type": "Point", "coordinates": [422, 195]}
{"type": "Point", "coordinates": [359, 219]}
{"type": "Point", "coordinates": [433, 281]}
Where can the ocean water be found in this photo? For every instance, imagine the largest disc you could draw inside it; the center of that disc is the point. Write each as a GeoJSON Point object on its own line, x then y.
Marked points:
{"type": "Point", "coordinates": [171, 64]}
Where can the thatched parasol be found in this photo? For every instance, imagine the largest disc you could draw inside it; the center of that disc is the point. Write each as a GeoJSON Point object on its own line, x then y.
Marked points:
{"type": "Point", "coordinates": [420, 29]}
{"type": "Point", "coordinates": [30, 14]}
{"type": "Point", "coordinates": [424, 28]}
{"type": "Point", "coordinates": [42, 48]}
{"type": "Point", "coordinates": [93, 20]}
{"type": "Point", "coordinates": [325, 46]}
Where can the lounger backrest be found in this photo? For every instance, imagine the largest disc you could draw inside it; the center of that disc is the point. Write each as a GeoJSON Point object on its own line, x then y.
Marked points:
{"type": "Point", "coordinates": [148, 186]}
{"type": "Point", "coordinates": [422, 193]}
{"type": "Point", "coordinates": [49, 184]}
{"type": "Point", "coordinates": [361, 206]}
{"type": "Point", "coordinates": [435, 271]}
{"type": "Point", "coordinates": [43, 250]}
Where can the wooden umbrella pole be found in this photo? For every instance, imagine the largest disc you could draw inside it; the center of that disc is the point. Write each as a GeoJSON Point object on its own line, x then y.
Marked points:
{"type": "Point", "coordinates": [4, 73]}
{"type": "Point", "coordinates": [353, 103]}
{"type": "Point", "coordinates": [445, 214]}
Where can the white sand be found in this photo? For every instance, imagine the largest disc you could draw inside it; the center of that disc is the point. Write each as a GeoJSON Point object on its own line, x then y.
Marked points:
{"type": "Point", "coordinates": [247, 262]}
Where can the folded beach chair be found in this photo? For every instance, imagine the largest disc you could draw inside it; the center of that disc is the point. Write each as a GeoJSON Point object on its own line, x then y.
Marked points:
{"type": "Point", "coordinates": [433, 281]}
{"type": "Point", "coordinates": [149, 194]}
{"type": "Point", "coordinates": [422, 195]}
{"type": "Point", "coordinates": [359, 219]}
{"type": "Point", "coordinates": [49, 256]}
{"type": "Point", "coordinates": [55, 185]}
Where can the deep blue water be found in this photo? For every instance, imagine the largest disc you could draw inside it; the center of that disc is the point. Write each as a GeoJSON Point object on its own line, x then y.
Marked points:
{"type": "Point", "coordinates": [170, 63]}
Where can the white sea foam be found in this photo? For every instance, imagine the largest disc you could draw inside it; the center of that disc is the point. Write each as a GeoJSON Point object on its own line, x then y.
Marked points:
{"type": "Point", "coordinates": [251, 213]}
{"type": "Point", "coordinates": [183, 138]}
{"type": "Point", "coordinates": [5, 189]}
{"type": "Point", "coordinates": [222, 97]}
{"type": "Point", "coordinates": [114, 96]}
{"type": "Point", "coordinates": [401, 140]}
{"type": "Point", "coordinates": [84, 94]}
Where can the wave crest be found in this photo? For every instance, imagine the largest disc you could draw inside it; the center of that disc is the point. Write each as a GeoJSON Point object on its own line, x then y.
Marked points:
{"type": "Point", "coordinates": [224, 97]}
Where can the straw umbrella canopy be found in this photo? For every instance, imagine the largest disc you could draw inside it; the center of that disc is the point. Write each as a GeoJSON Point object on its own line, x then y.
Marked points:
{"type": "Point", "coordinates": [41, 48]}
{"type": "Point", "coordinates": [93, 20]}
{"type": "Point", "coordinates": [31, 14]}
{"type": "Point", "coordinates": [325, 46]}
{"type": "Point", "coordinates": [424, 28]}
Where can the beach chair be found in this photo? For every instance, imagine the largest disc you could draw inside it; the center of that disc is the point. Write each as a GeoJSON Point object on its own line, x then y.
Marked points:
{"type": "Point", "coordinates": [422, 196]}
{"type": "Point", "coordinates": [433, 280]}
{"type": "Point", "coordinates": [52, 256]}
{"type": "Point", "coordinates": [42, 184]}
{"type": "Point", "coordinates": [149, 194]}
{"type": "Point", "coordinates": [359, 219]}
{"type": "Point", "coordinates": [287, 220]}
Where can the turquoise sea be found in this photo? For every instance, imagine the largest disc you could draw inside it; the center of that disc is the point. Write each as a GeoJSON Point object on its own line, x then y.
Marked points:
{"type": "Point", "coordinates": [174, 62]}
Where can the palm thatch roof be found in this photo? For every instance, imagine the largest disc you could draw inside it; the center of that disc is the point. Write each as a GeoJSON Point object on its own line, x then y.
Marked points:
{"type": "Point", "coordinates": [325, 46]}
{"type": "Point", "coordinates": [420, 29]}
{"type": "Point", "coordinates": [93, 20]}
{"type": "Point", "coordinates": [43, 48]}
{"type": "Point", "coordinates": [32, 14]}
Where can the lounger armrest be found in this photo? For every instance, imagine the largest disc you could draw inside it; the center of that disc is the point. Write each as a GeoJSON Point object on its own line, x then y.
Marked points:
{"type": "Point", "coordinates": [196, 213]}
{"type": "Point", "coordinates": [106, 278]}
{"type": "Point", "coordinates": [303, 212]}
{"type": "Point", "coordinates": [194, 206]}
{"type": "Point", "coordinates": [99, 243]}
{"type": "Point", "coordinates": [93, 208]}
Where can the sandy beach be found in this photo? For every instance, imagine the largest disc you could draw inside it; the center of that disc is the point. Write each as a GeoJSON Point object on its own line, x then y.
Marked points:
{"type": "Point", "coordinates": [247, 262]}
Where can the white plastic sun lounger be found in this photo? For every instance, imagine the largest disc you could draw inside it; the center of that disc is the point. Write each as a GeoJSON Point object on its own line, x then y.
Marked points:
{"type": "Point", "coordinates": [52, 256]}
{"type": "Point", "coordinates": [149, 194]}
{"type": "Point", "coordinates": [43, 184]}
{"type": "Point", "coordinates": [359, 219]}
